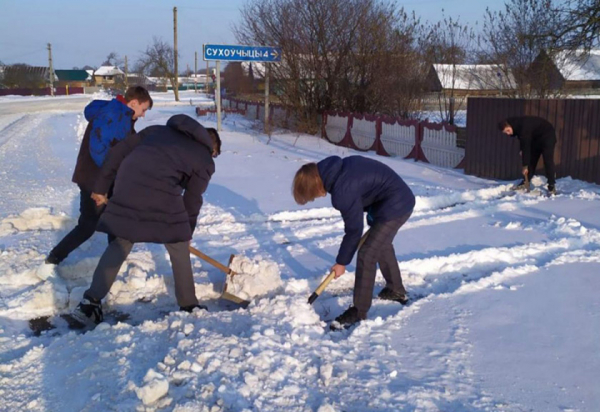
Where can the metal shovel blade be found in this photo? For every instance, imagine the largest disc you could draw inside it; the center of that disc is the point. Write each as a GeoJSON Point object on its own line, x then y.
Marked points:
{"type": "Point", "coordinates": [228, 273]}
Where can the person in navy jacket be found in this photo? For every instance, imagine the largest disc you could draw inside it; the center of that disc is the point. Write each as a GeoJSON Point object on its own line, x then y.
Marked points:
{"type": "Point", "coordinates": [358, 185]}
{"type": "Point", "coordinates": [110, 121]}
{"type": "Point", "coordinates": [159, 175]}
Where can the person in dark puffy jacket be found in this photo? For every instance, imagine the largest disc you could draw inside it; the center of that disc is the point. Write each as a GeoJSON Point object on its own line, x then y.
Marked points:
{"type": "Point", "coordinates": [110, 121]}
{"type": "Point", "coordinates": [163, 172]}
{"type": "Point", "coordinates": [537, 138]}
{"type": "Point", "coordinates": [357, 185]}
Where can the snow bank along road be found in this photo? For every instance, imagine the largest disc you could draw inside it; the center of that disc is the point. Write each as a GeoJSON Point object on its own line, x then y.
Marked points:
{"type": "Point", "coordinates": [508, 319]}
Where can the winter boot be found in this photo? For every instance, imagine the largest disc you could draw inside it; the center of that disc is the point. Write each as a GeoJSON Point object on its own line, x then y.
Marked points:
{"type": "Point", "coordinates": [347, 319]}
{"type": "Point", "coordinates": [388, 294]}
{"type": "Point", "coordinates": [191, 308]}
{"type": "Point", "coordinates": [551, 190]}
{"type": "Point", "coordinates": [89, 311]}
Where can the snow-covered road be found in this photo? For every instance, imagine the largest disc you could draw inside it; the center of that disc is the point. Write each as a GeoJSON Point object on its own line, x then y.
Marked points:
{"type": "Point", "coordinates": [507, 319]}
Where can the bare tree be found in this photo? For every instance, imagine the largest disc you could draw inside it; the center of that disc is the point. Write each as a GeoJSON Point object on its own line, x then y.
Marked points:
{"type": "Point", "coordinates": [579, 24]}
{"type": "Point", "coordinates": [159, 61]}
{"type": "Point", "coordinates": [448, 44]}
{"type": "Point", "coordinates": [113, 59]}
{"type": "Point", "coordinates": [236, 80]}
{"type": "Point", "coordinates": [514, 37]}
{"type": "Point", "coordinates": [336, 54]}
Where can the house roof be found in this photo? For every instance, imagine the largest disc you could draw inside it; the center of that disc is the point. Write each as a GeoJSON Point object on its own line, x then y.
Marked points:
{"type": "Point", "coordinates": [474, 76]}
{"type": "Point", "coordinates": [36, 70]}
{"type": "Point", "coordinates": [108, 71]}
{"type": "Point", "coordinates": [578, 65]}
{"type": "Point", "coordinates": [72, 75]}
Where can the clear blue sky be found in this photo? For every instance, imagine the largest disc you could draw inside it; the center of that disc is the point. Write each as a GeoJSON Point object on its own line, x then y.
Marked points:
{"type": "Point", "coordinates": [84, 32]}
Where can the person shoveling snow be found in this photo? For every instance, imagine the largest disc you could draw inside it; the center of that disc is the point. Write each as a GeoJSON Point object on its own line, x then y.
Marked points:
{"type": "Point", "coordinates": [357, 185]}
{"type": "Point", "coordinates": [155, 166]}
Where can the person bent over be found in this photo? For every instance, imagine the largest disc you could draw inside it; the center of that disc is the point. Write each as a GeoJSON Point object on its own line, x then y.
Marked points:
{"type": "Point", "coordinates": [162, 173]}
{"type": "Point", "coordinates": [358, 185]}
{"type": "Point", "coordinates": [537, 138]}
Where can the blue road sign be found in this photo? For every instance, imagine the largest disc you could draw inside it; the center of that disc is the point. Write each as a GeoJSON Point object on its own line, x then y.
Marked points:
{"type": "Point", "coordinates": [242, 53]}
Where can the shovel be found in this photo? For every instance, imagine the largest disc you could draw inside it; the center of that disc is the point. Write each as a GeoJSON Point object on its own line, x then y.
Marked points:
{"type": "Point", "coordinates": [331, 275]}
{"type": "Point", "coordinates": [228, 273]}
{"type": "Point", "coordinates": [527, 184]}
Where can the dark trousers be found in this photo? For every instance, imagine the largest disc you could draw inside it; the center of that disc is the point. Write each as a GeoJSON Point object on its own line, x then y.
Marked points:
{"type": "Point", "coordinates": [116, 253]}
{"type": "Point", "coordinates": [378, 248]}
{"type": "Point", "coordinates": [545, 151]}
{"type": "Point", "coordinates": [89, 214]}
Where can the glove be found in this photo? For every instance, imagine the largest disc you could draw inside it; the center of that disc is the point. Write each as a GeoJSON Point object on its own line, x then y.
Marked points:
{"type": "Point", "coordinates": [370, 219]}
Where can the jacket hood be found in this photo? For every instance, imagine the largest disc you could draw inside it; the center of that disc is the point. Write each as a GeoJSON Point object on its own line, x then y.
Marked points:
{"type": "Point", "coordinates": [96, 107]}
{"type": "Point", "coordinates": [329, 170]}
{"type": "Point", "coordinates": [191, 128]}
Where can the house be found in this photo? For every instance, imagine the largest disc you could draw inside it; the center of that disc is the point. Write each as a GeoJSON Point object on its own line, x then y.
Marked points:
{"type": "Point", "coordinates": [72, 78]}
{"type": "Point", "coordinates": [575, 70]}
{"type": "Point", "coordinates": [108, 76]}
{"type": "Point", "coordinates": [470, 79]}
{"type": "Point", "coordinates": [25, 76]}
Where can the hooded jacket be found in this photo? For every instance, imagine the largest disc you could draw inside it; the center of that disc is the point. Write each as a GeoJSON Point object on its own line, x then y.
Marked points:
{"type": "Point", "coordinates": [161, 174]}
{"type": "Point", "coordinates": [110, 121]}
{"type": "Point", "coordinates": [357, 185]}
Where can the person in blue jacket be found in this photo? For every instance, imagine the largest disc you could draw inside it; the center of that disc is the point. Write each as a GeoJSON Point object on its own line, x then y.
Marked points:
{"type": "Point", "coordinates": [358, 185]}
{"type": "Point", "coordinates": [110, 121]}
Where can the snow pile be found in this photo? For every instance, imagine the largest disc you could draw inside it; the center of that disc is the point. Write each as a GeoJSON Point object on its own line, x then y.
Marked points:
{"type": "Point", "coordinates": [36, 218]}
{"type": "Point", "coordinates": [254, 277]}
{"type": "Point", "coordinates": [155, 387]}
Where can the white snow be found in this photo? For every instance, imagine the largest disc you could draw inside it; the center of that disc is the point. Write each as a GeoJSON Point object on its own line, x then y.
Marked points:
{"type": "Point", "coordinates": [507, 318]}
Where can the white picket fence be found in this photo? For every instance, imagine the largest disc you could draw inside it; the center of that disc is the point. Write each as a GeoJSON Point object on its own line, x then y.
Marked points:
{"type": "Point", "coordinates": [364, 133]}
{"type": "Point", "coordinates": [336, 128]}
{"type": "Point", "coordinates": [439, 147]}
{"type": "Point", "coordinates": [398, 140]}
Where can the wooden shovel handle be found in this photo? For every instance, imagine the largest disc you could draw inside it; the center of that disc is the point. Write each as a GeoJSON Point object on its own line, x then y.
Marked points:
{"type": "Point", "coordinates": [331, 275]}
{"type": "Point", "coordinates": [210, 260]}
{"type": "Point", "coordinates": [325, 282]}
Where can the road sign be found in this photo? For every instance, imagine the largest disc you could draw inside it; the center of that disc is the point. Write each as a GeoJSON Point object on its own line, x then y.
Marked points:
{"type": "Point", "coordinates": [242, 53]}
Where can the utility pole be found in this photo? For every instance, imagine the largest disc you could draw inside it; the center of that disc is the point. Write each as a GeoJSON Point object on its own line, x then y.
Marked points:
{"type": "Point", "coordinates": [196, 72]}
{"type": "Point", "coordinates": [126, 74]}
{"type": "Point", "coordinates": [176, 86]}
{"type": "Point", "coordinates": [267, 125]}
{"type": "Point", "coordinates": [206, 79]}
{"type": "Point", "coordinates": [51, 71]}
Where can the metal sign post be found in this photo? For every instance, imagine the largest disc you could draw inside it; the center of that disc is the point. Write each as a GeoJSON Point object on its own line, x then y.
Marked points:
{"type": "Point", "coordinates": [218, 53]}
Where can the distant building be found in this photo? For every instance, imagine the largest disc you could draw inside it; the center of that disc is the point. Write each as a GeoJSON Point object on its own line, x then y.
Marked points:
{"type": "Point", "coordinates": [72, 78]}
{"type": "Point", "coordinates": [471, 79]}
{"type": "Point", "coordinates": [569, 70]}
{"type": "Point", "coordinates": [108, 76]}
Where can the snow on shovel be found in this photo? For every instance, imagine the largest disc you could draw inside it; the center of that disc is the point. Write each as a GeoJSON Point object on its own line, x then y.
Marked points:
{"type": "Point", "coordinates": [229, 273]}
{"type": "Point", "coordinates": [331, 275]}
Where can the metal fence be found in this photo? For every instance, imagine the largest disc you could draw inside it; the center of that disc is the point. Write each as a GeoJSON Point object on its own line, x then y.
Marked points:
{"type": "Point", "coordinates": [435, 143]}
{"type": "Point", "coordinates": [491, 154]}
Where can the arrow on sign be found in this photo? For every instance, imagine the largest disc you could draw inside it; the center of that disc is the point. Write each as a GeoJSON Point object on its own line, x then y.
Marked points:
{"type": "Point", "coordinates": [274, 54]}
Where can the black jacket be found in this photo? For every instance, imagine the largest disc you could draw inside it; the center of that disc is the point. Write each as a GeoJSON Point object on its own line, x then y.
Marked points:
{"type": "Point", "coordinates": [532, 132]}
{"type": "Point", "coordinates": [155, 167]}
{"type": "Point", "coordinates": [357, 185]}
